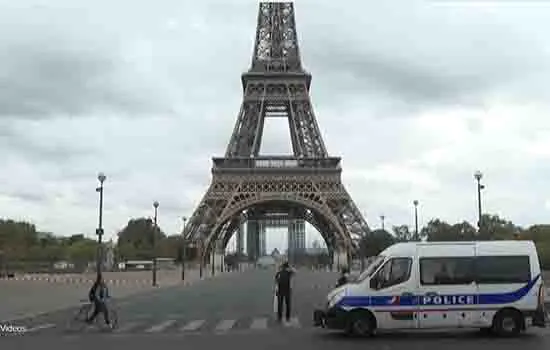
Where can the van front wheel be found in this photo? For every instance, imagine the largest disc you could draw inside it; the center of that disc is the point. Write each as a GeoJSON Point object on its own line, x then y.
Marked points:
{"type": "Point", "coordinates": [361, 324]}
{"type": "Point", "coordinates": [508, 323]}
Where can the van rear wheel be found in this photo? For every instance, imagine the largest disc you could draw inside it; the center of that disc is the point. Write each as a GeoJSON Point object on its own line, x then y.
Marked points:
{"type": "Point", "coordinates": [508, 323]}
{"type": "Point", "coordinates": [361, 324]}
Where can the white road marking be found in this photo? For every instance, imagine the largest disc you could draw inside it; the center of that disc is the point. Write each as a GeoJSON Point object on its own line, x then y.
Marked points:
{"type": "Point", "coordinates": [42, 326]}
{"type": "Point", "coordinates": [225, 325]}
{"type": "Point", "coordinates": [161, 326]}
{"type": "Point", "coordinates": [126, 327]}
{"type": "Point", "coordinates": [193, 326]}
{"type": "Point", "coordinates": [259, 323]}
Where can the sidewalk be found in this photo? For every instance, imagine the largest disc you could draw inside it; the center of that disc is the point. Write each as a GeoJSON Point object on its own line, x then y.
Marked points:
{"type": "Point", "coordinates": [30, 297]}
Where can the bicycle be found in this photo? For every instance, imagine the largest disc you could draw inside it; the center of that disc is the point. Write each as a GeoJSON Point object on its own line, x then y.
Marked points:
{"type": "Point", "coordinates": [78, 321]}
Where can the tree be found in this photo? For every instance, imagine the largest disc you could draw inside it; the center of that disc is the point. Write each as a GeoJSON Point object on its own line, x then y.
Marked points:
{"type": "Point", "coordinates": [437, 230]}
{"type": "Point", "coordinates": [170, 247]}
{"type": "Point", "coordinates": [463, 231]}
{"type": "Point", "coordinates": [83, 251]}
{"type": "Point", "coordinates": [16, 237]}
{"type": "Point", "coordinates": [540, 234]}
{"type": "Point", "coordinates": [135, 241]}
{"type": "Point", "coordinates": [402, 233]}
{"type": "Point", "coordinates": [494, 227]}
{"type": "Point", "coordinates": [375, 242]}
{"type": "Point", "coordinates": [537, 233]}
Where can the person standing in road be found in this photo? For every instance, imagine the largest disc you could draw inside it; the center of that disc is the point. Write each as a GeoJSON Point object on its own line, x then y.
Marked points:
{"type": "Point", "coordinates": [344, 277]}
{"type": "Point", "coordinates": [283, 282]}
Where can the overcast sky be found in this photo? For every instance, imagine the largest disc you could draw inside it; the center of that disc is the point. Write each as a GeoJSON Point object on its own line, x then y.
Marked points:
{"type": "Point", "coordinates": [413, 95]}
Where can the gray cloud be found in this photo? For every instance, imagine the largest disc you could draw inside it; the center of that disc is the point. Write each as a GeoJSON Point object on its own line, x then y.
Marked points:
{"type": "Point", "coordinates": [31, 197]}
{"type": "Point", "coordinates": [40, 150]}
{"type": "Point", "coordinates": [75, 78]}
{"type": "Point", "coordinates": [415, 56]}
{"type": "Point", "coordinates": [48, 73]}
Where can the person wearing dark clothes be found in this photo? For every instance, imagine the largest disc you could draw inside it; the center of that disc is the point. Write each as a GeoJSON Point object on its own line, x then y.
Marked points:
{"type": "Point", "coordinates": [98, 295]}
{"type": "Point", "coordinates": [343, 277]}
{"type": "Point", "coordinates": [283, 280]}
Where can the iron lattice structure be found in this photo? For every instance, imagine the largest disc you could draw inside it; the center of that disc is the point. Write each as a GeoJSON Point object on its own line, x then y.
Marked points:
{"type": "Point", "coordinates": [306, 185]}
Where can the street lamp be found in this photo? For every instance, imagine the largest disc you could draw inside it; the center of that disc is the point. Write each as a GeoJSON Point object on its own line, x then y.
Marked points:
{"type": "Point", "coordinates": [155, 205]}
{"type": "Point", "coordinates": [415, 202]}
{"type": "Point", "coordinates": [99, 231]}
{"type": "Point", "coordinates": [478, 176]}
{"type": "Point", "coordinates": [184, 248]}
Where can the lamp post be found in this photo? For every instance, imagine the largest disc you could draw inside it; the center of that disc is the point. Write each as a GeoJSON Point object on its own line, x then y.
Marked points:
{"type": "Point", "coordinates": [478, 175]}
{"type": "Point", "coordinates": [183, 251]}
{"type": "Point", "coordinates": [155, 205]}
{"type": "Point", "coordinates": [382, 218]}
{"type": "Point", "coordinates": [99, 231]}
{"type": "Point", "coordinates": [415, 202]}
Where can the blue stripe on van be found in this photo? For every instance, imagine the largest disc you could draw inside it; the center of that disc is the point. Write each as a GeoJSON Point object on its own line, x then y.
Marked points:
{"type": "Point", "coordinates": [438, 299]}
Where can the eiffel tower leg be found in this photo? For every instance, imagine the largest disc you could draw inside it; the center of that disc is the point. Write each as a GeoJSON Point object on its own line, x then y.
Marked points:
{"type": "Point", "coordinates": [253, 236]}
{"type": "Point", "coordinates": [340, 259]}
{"type": "Point", "coordinates": [217, 257]}
{"type": "Point", "coordinates": [240, 237]}
{"type": "Point", "coordinates": [221, 256]}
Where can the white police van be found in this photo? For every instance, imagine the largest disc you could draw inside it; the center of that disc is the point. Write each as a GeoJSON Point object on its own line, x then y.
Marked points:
{"type": "Point", "coordinates": [494, 285]}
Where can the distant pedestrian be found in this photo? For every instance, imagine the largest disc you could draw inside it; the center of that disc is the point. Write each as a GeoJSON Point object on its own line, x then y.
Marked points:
{"type": "Point", "coordinates": [344, 277]}
{"type": "Point", "coordinates": [283, 291]}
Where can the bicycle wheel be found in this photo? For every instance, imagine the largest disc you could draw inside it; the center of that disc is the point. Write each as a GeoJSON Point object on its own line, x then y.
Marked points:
{"type": "Point", "coordinates": [78, 321]}
{"type": "Point", "coordinates": [113, 318]}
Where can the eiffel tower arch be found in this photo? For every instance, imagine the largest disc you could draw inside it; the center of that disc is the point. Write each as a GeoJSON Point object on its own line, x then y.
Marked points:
{"type": "Point", "coordinates": [306, 185]}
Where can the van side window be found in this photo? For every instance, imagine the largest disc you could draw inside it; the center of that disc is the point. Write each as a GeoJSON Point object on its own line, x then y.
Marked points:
{"type": "Point", "coordinates": [503, 269]}
{"type": "Point", "coordinates": [395, 271]}
{"type": "Point", "coordinates": [446, 271]}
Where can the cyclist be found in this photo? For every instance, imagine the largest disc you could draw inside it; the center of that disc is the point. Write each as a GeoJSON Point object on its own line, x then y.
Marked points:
{"type": "Point", "coordinates": [98, 295]}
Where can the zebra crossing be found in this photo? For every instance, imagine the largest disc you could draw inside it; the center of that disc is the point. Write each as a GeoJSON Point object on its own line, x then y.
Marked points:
{"type": "Point", "coordinates": [179, 326]}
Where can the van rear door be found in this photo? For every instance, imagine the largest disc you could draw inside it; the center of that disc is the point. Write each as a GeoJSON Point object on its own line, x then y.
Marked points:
{"type": "Point", "coordinates": [446, 287]}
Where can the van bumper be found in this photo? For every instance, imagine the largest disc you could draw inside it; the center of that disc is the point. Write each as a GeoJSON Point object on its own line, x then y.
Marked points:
{"type": "Point", "coordinates": [333, 318]}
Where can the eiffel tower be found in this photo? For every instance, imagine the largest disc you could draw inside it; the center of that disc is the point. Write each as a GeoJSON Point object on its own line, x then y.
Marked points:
{"type": "Point", "coordinates": [245, 185]}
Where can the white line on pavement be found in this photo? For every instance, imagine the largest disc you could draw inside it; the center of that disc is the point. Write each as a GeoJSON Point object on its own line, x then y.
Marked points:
{"type": "Point", "coordinates": [225, 325]}
{"type": "Point", "coordinates": [42, 326]}
{"type": "Point", "coordinates": [161, 326]}
{"type": "Point", "coordinates": [193, 326]}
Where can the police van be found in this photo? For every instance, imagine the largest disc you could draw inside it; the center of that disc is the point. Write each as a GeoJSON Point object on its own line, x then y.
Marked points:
{"type": "Point", "coordinates": [495, 286]}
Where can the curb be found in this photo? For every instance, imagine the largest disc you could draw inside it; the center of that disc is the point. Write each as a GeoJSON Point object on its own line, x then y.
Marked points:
{"type": "Point", "coordinates": [80, 280]}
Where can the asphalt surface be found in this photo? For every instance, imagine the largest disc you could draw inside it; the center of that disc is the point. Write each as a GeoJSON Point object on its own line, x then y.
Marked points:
{"type": "Point", "coordinates": [23, 297]}
{"type": "Point", "coordinates": [237, 310]}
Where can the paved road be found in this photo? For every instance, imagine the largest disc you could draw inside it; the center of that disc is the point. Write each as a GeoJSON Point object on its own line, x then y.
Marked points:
{"type": "Point", "coordinates": [235, 302]}
{"type": "Point", "coordinates": [236, 310]}
{"type": "Point", "coordinates": [20, 298]}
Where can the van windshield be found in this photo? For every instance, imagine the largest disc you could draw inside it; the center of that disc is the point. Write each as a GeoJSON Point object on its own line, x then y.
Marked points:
{"type": "Point", "coordinates": [369, 270]}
